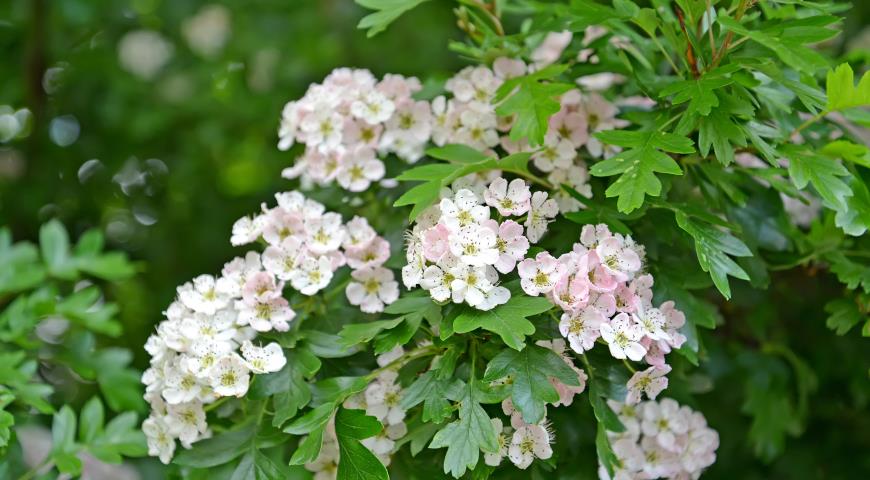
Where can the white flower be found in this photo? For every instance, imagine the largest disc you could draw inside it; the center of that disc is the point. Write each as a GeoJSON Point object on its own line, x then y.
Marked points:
{"type": "Point", "coordinates": [263, 359]}
{"type": "Point", "coordinates": [509, 199]}
{"type": "Point", "coordinates": [529, 442]}
{"type": "Point", "coordinates": [651, 321]}
{"type": "Point", "coordinates": [437, 282]}
{"type": "Point", "coordinates": [358, 233]}
{"type": "Point", "coordinates": [493, 459]}
{"type": "Point", "coordinates": [322, 129]}
{"type": "Point", "coordinates": [245, 231]}
{"type": "Point", "coordinates": [541, 211]}
{"type": "Point", "coordinates": [623, 336]}
{"type": "Point", "coordinates": [281, 260]}
{"type": "Point", "coordinates": [186, 421]}
{"type": "Point", "coordinates": [180, 385]}
{"type": "Point", "coordinates": [359, 169]}
{"type": "Point", "coordinates": [372, 288]}
{"type": "Point", "coordinates": [373, 107]}
{"type": "Point", "coordinates": [324, 233]}
{"type": "Point", "coordinates": [474, 245]}
{"type": "Point", "coordinates": [383, 397]}
{"type": "Point", "coordinates": [312, 275]}
{"type": "Point", "coordinates": [160, 441]}
{"type": "Point", "coordinates": [555, 153]}
{"type": "Point", "coordinates": [412, 121]}
{"type": "Point", "coordinates": [496, 296]}
{"type": "Point", "coordinates": [469, 284]}
{"type": "Point", "coordinates": [582, 328]}
{"type": "Point", "coordinates": [463, 210]}
{"type": "Point", "coordinates": [539, 275]}
{"type": "Point", "coordinates": [203, 296]}
{"type": "Point", "coordinates": [665, 422]}
{"type": "Point", "coordinates": [229, 376]}
{"type": "Point", "coordinates": [650, 381]}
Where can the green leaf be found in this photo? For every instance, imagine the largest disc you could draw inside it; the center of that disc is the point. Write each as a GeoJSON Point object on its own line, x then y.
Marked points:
{"type": "Point", "coordinates": [287, 387]}
{"type": "Point", "coordinates": [63, 446]}
{"type": "Point", "coordinates": [356, 462]}
{"type": "Point", "coordinates": [313, 419]}
{"type": "Point", "coordinates": [842, 92]}
{"type": "Point", "coordinates": [355, 333]}
{"type": "Point", "coordinates": [54, 244]}
{"type": "Point", "coordinates": [457, 153]}
{"type": "Point", "coordinates": [844, 313]}
{"type": "Point", "coordinates": [637, 165]}
{"type": "Point", "coordinates": [532, 101]}
{"type": "Point", "coordinates": [434, 392]}
{"type": "Point", "coordinates": [721, 132]}
{"type": "Point", "coordinates": [309, 448]}
{"type": "Point", "coordinates": [824, 173]}
{"type": "Point", "coordinates": [92, 418]}
{"type": "Point", "coordinates": [713, 247]}
{"type": "Point", "coordinates": [121, 437]}
{"type": "Point", "coordinates": [698, 92]}
{"type": "Point", "coordinates": [386, 11]}
{"type": "Point", "coordinates": [256, 466]}
{"type": "Point", "coordinates": [530, 371]}
{"type": "Point", "coordinates": [420, 196]}
{"type": "Point", "coordinates": [467, 436]}
{"type": "Point", "coordinates": [850, 273]}
{"type": "Point", "coordinates": [509, 321]}
{"type": "Point", "coordinates": [219, 450]}
{"type": "Point", "coordinates": [604, 451]}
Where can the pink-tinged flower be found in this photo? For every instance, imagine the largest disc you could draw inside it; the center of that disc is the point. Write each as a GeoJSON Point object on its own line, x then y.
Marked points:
{"type": "Point", "coordinates": [372, 289]}
{"type": "Point", "coordinates": [600, 279]}
{"type": "Point", "coordinates": [512, 246]}
{"type": "Point", "coordinates": [618, 260]}
{"type": "Point", "coordinates": [655, 354]}
{"type": "Point", "coordinates": [372, 255]}
{"type": "Point", "coordinates": [570, 126]}
{"type": "Point", "coordinates": [506, 68]}
{"type": "Point", "coordinates": [280, 224]}
{"type": "Point", "coordinates": [626, 300]}
{"type": "Point", "coordinates": [509, 199]}
{"type": "Point", "coordinates": [551, 48]}
{"type": "Point", "coordinates": [623, 337]}
{"type": "Point", "coordinates": [496, 296]}
{"type": "Point", "coordinates": [604, 302]}
{"type": "Point", "coordinates": [566, 392]}
{"type": "Point", "coordinates": [411, 121]}
{"type": "Point", "coordinates": [539, 275]}
{"type": "Point", "coordinates": [267, 315]}
{"type": "Point", "coordinates": [582, 328]}
{"type": "Point", "coordinates": [312, 275]}
{"type": "Point", "coordinates": [261, 286]}
{"type": "Point", "coordinates": [571, 292]}
{"type": "Point", "coordinates": [436, 242]}
{"type": "Point", "coordinates": [674, 321]}
{"type": "Point", "coordinates": [650, 382]}
{"type": "Point", "coordinates": [542, 210]}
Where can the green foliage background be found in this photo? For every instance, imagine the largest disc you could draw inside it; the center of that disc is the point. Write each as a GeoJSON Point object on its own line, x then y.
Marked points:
{"type": "Point", "coordinates": [212, 128]}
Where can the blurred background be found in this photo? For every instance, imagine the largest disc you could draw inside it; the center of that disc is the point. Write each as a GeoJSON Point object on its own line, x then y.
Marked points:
{"type": "Point", "coordinates": [155, 121]}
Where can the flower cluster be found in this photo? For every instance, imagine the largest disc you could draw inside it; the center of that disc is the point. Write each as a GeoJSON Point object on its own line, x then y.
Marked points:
{"type": "Point", "coordinates": [203, 351]}
{"type": "Point", "coordinates": [306, 245]}
{"type": "Point", "coordinates": [456, 251]}
{"type": "Point", "coordinates": [661, 440]}
{"type": "Point", "coordinates": [522, 442]}
{"type": "Point", "coordinates": [347, 121]}
{"type": "Point", "coordinates": [600, 288]}
{"type": "Point", "coordinates": [381, 399]}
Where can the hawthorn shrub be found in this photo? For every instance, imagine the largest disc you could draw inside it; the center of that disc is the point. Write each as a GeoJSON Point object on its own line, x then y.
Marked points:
{"type": "Point", "coordinates": [521, 270]}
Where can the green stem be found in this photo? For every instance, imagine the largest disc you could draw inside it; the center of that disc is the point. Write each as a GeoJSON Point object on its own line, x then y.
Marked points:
{"type": "Point", "coordinates": [815, 118]}
{"type": "Point", "coordinates": [216, 404]}
{"type": "Point", "coordinates": [628, 366]}
{"type": "Point", "coordinates": [33, 472]}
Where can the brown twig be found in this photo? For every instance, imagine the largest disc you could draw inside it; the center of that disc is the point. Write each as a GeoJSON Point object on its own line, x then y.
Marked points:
{"type": "Point", "coordinates": [690, 53]}
{"type": "Point", "coordinates": [741, 10]}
